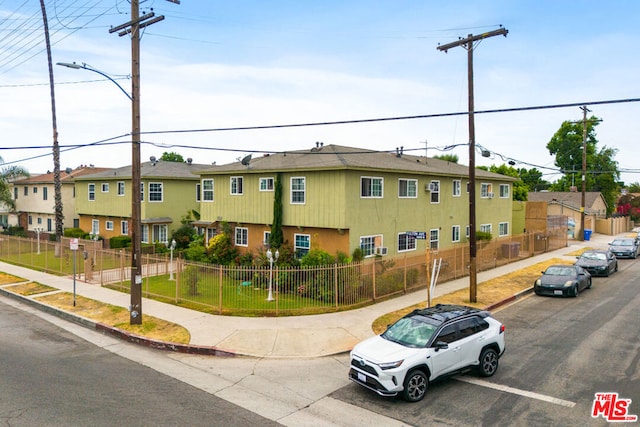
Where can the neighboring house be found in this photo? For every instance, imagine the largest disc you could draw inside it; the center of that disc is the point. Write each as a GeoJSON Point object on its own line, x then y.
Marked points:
{"type": "Point", "coordinates": [35, 199]}
{"type": "Point", "coordinates": [569, 204]}
{"type": "Point", "coordinates": [169, 190]}
{"type": "Point", "coordinates": [342, 198]}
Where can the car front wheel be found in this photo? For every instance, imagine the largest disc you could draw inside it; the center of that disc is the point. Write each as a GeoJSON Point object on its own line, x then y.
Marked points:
{"type": "Point", "coordinates": [589, 284]}
{"type": "Point", "coordinates": [415, 386]}
{"type": "Point", "coordinates": [488, 362]}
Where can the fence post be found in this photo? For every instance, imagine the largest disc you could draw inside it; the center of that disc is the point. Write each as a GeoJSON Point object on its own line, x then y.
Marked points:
{"type": "Point", "coordinates": [373, 279]}
{"type": "Point", "coordinates": [220, 291]}
{"type": "Point", "coordinates": [335, 282]}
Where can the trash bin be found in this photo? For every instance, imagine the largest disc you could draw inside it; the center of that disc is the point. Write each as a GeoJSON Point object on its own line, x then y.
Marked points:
{"type": "Point", "coordinates": [587, 234]}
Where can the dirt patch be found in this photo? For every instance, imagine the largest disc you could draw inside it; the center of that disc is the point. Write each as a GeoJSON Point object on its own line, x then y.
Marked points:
{"type": "Point", "coordinates": [489, 292]}
{"type": "Point", "coordinates": [30, 288]}
{"type": "Point", "coordinates": [8, 278]}
{"type": "Point", "coordinates": [117, 317]}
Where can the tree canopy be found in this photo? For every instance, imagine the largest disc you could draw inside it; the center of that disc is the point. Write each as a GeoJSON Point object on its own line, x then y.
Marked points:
{"type": "Point", "coordinates": [7, 175]}
{"type": "Point", "coordinates": [172, 157]}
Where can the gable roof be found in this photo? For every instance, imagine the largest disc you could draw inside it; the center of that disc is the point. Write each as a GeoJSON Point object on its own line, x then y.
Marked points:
{"type": "Point", "coordinates": [159, 169]}
{"type": "Point", "coordinates": [336, 157]}
{"type": "Point", "coordinates": [571, 199]}
{"type": "Point", "coordinates": [48, 178]}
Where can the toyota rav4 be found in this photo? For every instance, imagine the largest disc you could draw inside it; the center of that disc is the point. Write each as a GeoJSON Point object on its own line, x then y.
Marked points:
{"type": "Point", "coordinates": [425, 345]}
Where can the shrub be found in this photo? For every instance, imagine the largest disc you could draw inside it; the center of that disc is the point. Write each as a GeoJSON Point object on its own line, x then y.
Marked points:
{"type": "Point", "coordinates": [119, 242]}
{"type": "Point", "coordinates": [74, 232]}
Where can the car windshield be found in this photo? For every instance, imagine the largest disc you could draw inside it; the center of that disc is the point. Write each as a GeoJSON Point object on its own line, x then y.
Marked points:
{"type": "Point", "coordinates": [410, 332]}
{"type": "Point", "coordinates": [594, 256]}
{"type": "Point", "coordinates": [622, 243]}
{"type": "Point", "coordinates": [560, 271]}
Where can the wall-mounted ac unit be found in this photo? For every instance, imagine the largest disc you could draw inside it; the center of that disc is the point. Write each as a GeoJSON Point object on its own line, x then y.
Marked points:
{"type": "Point", "coordinates": [427, 187]}
{"type": "Point", "coordinates": [431, 186]}
{"type": "Point", "coordinates": [381, 250]}
{"type": "Point", "coordinates": [490, 195]}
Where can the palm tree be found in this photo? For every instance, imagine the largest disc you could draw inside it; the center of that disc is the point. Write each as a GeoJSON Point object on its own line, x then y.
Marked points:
{"type": "Point", "coordinates": [9, 174]}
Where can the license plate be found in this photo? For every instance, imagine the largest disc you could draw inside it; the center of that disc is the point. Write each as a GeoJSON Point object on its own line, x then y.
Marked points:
{"type": "Point", "coordinates": [557, 292]}
{"type": "Point", "coordinates": [362, 377]}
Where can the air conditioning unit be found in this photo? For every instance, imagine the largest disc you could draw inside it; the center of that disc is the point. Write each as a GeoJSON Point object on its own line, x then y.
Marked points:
{"type": "Point", "coordinates": [490, 195]}
{"type": "Point", "coordinates": [381, 250]}
{"type": "Point", "coordinates": [427, 187]}
{"type": "Point", "coordinates": [431, 186]}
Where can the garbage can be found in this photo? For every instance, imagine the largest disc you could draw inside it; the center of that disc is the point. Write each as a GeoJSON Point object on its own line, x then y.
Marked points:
{"type": "Point", "coordinates": [587, 234]}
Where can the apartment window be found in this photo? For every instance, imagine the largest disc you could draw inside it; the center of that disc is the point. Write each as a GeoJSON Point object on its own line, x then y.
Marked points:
{"type": "Point", "coordinates": [30, 220]}
{"type": "Point", "coordinates": [26, 191]}
{"type": "Point", "coordinates": [45, 193]}
{"type": "Point", "coordinates": [49, 225]}
{"type": "Point", "coordinates": [302, 244]}
{"type": "Point", "coordinates": [371, 187]}
{"type": "Point", "coordinates": [124, 228]}
{"type": "Point", "coordinates": [242, 236]}
{"type": "Point", "coordinates": [198, 187]}
{"type": "Point", "coordinates": [407, 188]}
{"type": "Point", "coordinates": [95, 226]}
{"type": "Point", "coordinates": [105, 187]}
{"type": "Point", "coordinates": [485, 228]}
{"type": "Point", "coordinates": [39, 220]}
{"type": "Point", "coordinates": [368, 244]}
{"type": "Point", "coordinates": [160, 233]}
{"type": "Point", "coordinates": [406, 242]}
{"type": "Point", "coordinates": [434, 187]}
{"type": "Point", "coordinates": [266, 184]}
{"type": "Point", "coordinates": [108, 225]}
{"type": "Point", "coordinates": [91, 188]}
{"type": "Point", "coordinates": [236, 185]}
{"type": "Point", "coordinates": [120, 188]}
{"type": "Point", "coordinates": [486, 190]}
{"type": "Point", "coordinates": [155, 191]}
{"type": "Point", "coordinates": [266, 237]}
{"type": "Point", "coordinates": [455, 233]}
{"type": "Point", "coordinates": [144, 238]}
{"type": "Point", "coordinates": [503, 229]}
{"type": "Point", "coordinates": [434, 239]}
{"type": "Point", "coordinates": [211, 233]}
{"type": "Point", "coordinates": [142, 191]}
{"type": "Point", "coordinates": [35, 190]}
{"type": "Point", "coordinates": [467, 232]}
{"type": "Point", "coordinates": [298, 190]}
{"type": "Point", "coordinates": [207, 190]}
{"type": "Point", "coordinates": [15, 193]}
{"type": "Point", "coordinates": [457, 188]}
{"type": "Point", "coordinates": [504, 190]}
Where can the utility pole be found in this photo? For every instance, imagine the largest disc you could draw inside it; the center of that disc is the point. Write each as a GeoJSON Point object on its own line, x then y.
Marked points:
{"type": "Point", "coordinates": [585, 110]}
{"type": "Point", "coordinates": [133, 27]}
{"type": "Point", "coordinates": [467, 44]}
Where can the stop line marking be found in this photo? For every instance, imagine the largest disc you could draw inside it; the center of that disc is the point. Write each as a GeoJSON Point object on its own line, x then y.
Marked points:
{"type": "Point", "coordinates": [512, 390]}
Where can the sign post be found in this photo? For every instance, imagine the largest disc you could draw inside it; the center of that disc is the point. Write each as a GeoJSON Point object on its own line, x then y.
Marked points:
{"type": "Point", "coordinates": [73, 245]}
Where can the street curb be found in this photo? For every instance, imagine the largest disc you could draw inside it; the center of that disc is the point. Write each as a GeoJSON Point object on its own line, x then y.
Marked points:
{"type": "Point", "coordinates": [509, 300]}
{"type": "Point", "coordinates": [118, 333]}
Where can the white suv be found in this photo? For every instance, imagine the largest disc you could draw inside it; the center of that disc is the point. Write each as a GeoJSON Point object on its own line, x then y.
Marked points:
{"type": "Point", "coordinates": [427, 344]}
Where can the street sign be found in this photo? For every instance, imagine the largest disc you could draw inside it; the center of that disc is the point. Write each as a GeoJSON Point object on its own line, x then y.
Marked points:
{"type": "Point", "coordinates": [420, 235]}
{"type": "Point", "coordinates": [73, 244]}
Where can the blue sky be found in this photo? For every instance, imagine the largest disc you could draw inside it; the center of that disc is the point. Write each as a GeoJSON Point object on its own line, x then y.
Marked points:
{"type": "Point", "coordinates": [213, 64]}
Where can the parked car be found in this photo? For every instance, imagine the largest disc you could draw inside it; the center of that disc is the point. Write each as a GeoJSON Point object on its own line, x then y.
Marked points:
{"type": "Point", "coordinates": [562, 280]}
{"type": "Point", "coordinates": [598, 263]}
{"type": "Point", "coordinates": [625, 247]}
{"type": "Point", "coordinates": [427, 344]}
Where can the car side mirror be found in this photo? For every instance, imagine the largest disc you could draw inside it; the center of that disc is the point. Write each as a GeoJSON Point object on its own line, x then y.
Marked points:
{"type": "Point", "coordinates": [441, 345]}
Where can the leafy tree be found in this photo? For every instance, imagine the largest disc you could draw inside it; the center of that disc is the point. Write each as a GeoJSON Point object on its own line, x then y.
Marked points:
{"type": "Point", "coordinates": [172, 157]}
{"type": "Point", "coordinates": [183, 236]}
{"type": "Point", "coordinates": [276, 237]}
{"type": "Point", "coordinates": [453, 158]}
{"type": "Point", "coordinates": [602, 170]}
{"type": "Point", "coordinates": [7, 175]}
{"type": "Point", "coordinates": [532, 178]}
{"type": "Point", "coordinates": [221, 250]}
{"type": "Point", "coordinates": [634, 187]}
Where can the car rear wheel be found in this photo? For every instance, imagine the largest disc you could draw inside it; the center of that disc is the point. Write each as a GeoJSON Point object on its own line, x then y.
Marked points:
{"type": "Point", "coordinates": [415, 386]}
{"type": "Point", "coordinates": [589, 282]}
{"type": "Point", "coordinates": [488, 362]}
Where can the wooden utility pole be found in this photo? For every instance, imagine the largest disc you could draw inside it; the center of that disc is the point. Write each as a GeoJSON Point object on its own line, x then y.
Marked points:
{"type": "Point", "coordinates": [585, 110]}
{"type": "Point", "coordinates": [133, 27]}
{"type": "Point", "coordinates": [467, 43]}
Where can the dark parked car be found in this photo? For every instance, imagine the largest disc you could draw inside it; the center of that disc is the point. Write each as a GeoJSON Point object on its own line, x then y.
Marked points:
{"type": "Point", "coordinates": [598, 263]}
{"type": "Point", "coordinates": [625, 247]}
{"type": "Point", "coordinates": [562, 280]}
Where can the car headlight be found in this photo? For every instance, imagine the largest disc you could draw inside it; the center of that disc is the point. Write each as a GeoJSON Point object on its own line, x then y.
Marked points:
{"type": "Point", "coordinates": [569, 283]}
{"type": "Point", "coordinates": [538, 282]}
{"type": "Point", "coordinates": [390, 365]}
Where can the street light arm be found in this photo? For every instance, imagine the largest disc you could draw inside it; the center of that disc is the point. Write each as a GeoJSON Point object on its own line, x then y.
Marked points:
{"type": "Point", "coordinates": [86, 67]}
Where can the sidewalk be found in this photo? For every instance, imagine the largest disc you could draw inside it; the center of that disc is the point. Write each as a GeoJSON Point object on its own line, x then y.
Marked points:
{"type": "Point", "coordinates": [276, 337]}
